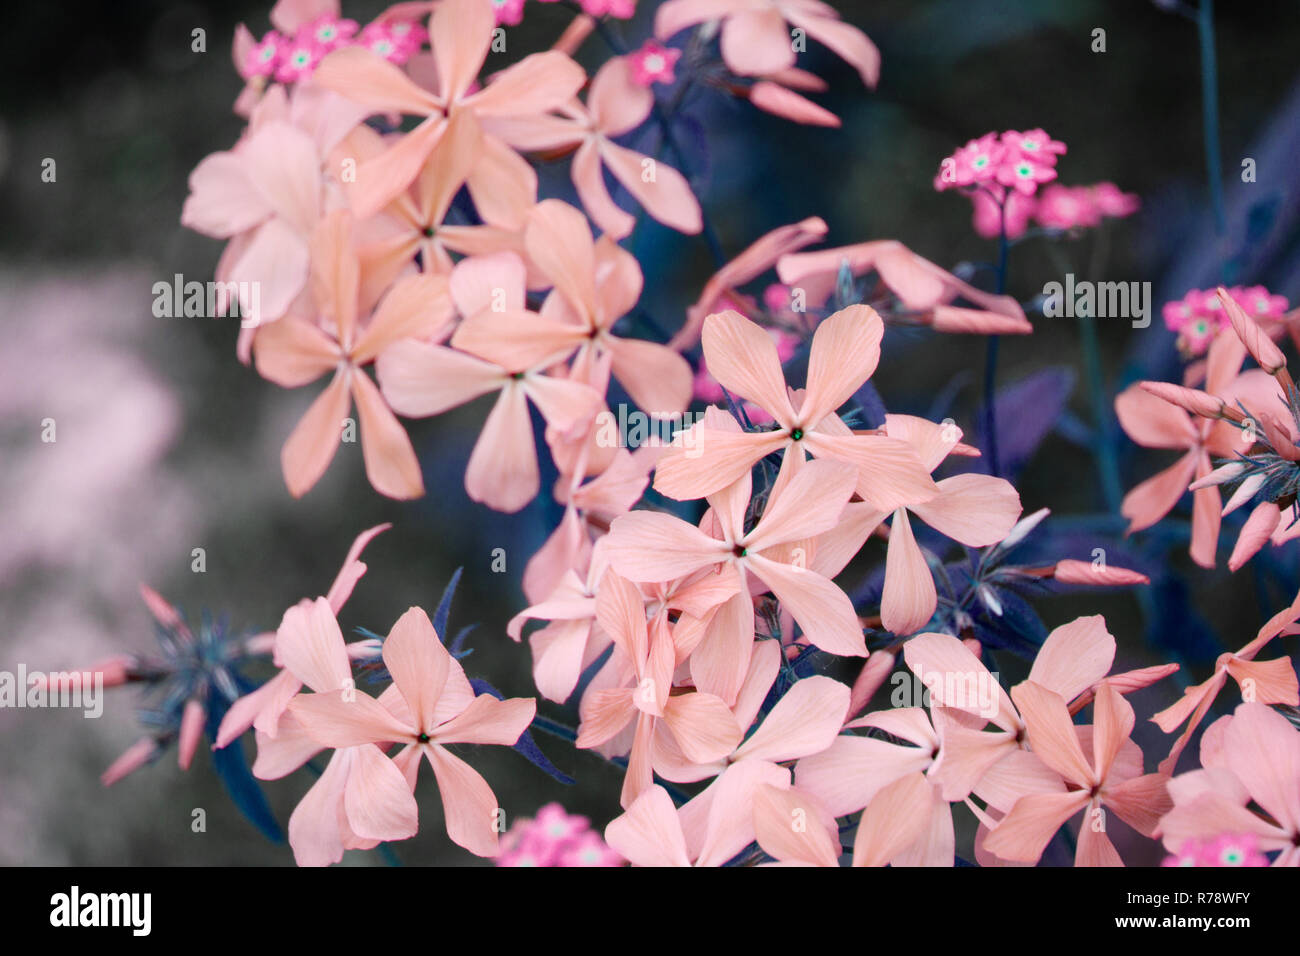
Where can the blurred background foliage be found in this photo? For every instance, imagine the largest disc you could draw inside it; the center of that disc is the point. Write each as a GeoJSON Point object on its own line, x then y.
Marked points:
{"type": "Point", "coordinates": [170, 444]}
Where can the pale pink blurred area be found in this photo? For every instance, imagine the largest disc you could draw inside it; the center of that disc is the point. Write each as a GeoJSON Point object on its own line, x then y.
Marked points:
{"type": "Point", "coordinates": [88, 503]}
{"type": "Point", "coordinates": [89, 507]}
{"type": "Point", "coordinates": [161, 443]}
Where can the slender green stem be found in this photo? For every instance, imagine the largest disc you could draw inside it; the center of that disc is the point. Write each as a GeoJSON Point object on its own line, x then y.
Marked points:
{"type": "Point", "coordinates": [554, 728]}
{"type": "Point", "coordinates": [1210, 122]}
{"type": "Point", "coordinates": [1107, 464]}
{"type": "Point", "coordinates": [991, 356]}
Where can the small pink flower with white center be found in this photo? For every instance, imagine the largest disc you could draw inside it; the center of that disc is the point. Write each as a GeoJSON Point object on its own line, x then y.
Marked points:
{"type": "Point", "coordinates": [654, 63]}
{"type": "Point", "coordinates": [555, 838]}
{"type": "Point", "coordinates": [1066, 207]}
{"type": "Point", "coordinates": [408, 32]}
{"type": "Point", "coordinates": [976, 162]}
{"type": "Point", "coordinates": [1197, 335]}
{"type": "Point", "coordinates": [1034, 144]}
{"type": "Point", "coordinates": [378, 38]}
{"type": "Point", "coordinates": [1114, 202]}
{"type": "Point", "coordinates": [776, 297]}
{"type": "Point", "coordinates": [508, 12]}
{"type": "Point", "coordinates": [619, 9]}
{"type": "Point", "coordinates": [1234, 850]}
{"type": "Point", "coordinates": [1228, 850]}
{"type": "Point", "coordinates": [1178, 313]}
{"type": "Point", "coordinates": [1188, 855]}
{"type": "Point", "coordinates": [1199, 316]}
{"type": "Point", "coordinates": [588, 850]}
{"type": "Point", "coordinates": [328, 33]}
{"type": "Point", "coordinates": [299, 60]}
{"type": "Point", "coordinates": [1262, 304]}
{"type": "Point", "coordinates": [264, 59]}
{"type": "Point", "coordinates": [1023, 175]}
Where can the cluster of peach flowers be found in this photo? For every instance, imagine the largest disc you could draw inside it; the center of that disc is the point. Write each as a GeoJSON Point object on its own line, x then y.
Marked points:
{"type": "Point", "coordinates": [413, 264]}
{"type": "Point", "coordinates": [1250, 422]}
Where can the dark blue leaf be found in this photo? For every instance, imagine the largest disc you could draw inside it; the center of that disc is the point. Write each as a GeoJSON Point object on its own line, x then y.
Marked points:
{"type": "Point", "coordinates": [871, 405]}
{"type": "Point", "coordinates": [1017, 629]}
{"type": "Point", "coordinates": [444, 606]}
{"type": "Point", "coordinates": [1026, 412]}
{"type": "Point", "coordinates": [232, 768]}
{"type": "Point", "coordinates": [525, 745]}
{"type": "Point", "coordinates": [457, 647]}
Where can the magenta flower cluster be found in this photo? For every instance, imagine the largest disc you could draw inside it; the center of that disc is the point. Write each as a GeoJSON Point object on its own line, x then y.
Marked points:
{"type": "Point", "coordinates": [1002, 173]}
{"type": "Point", "coordinates": [289, 59]}
{"type": "Point", "coordinates": [555, 838]}
{"type": "Point", "coordinates": [1199, 316]}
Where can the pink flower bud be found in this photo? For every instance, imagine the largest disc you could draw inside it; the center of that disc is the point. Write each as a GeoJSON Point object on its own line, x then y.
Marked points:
{"type": "Point", "coordinates": [776, 99]}
{"type": "Point", "coordinates": [192, 718]}
{"type": "Point", "coordinates": [1189, 399]}
{"type": "Point", "coordinates": [135, 757]}
{"type": "Point", "coordinates": [1071, 571]}
{"type": "Point", "coordinates": [957, 320]}
{"type": "Point", "coordinates": [1254, 533]}
{"type": "Point", "coordinates": [1262, 349]}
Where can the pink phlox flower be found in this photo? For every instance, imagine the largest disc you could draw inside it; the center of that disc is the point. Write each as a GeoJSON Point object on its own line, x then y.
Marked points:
{"type": "Point", "coordinates": [555, 838]}
{"type": "Point", "coordinates": [265, 58]}
{"type": "Point", "coordinates": [508, 12]}
{"type": "Point", "coordinates": [1033, 144]}
{"type": "Point", "coordinates": [1066, 207]}
{"type": "Point", "coordinates": [299, 59]}
{"type": "Point", "coordinates": [1230, 849]}
{"type": "Point", "coordinates": [654, 63]}
{"type": "Point", "coordinates": [328, 32]}
{"type": "Point", "coordinates": [975, 163]}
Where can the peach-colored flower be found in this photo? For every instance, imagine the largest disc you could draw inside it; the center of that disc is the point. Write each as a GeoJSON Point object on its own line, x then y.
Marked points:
{"type": "Point", "coordinates": [805, 721]}
{"type": "Point", "coordinates": [700, 723]}
{"type": "Point", "coordinates": [294, 352]}
{"type": "Point", "coordinates": [704, 831]}
{"type": "Point", "coordinates": [414, 222]}
{"type": "Point", "coordinates": [756, 33]}
{"type": "Point", "coordinates": [1073, 663]}
{"type": "Point", "coordinates": [263, 707]}
{"type": "Point", "coordinates": [744, 360]}
{"type": "Point", "coordinates": [361, 798]}
{"type": "Point", "coordinates": [757, 258]}
{"type": "Point", "coordinates": [1254, 755]}
{"type": "Point", "coordinates": [976, 510]}
{"type": "Point", "coordinates": [1269, 682]}
{"type": "Point", "coordinates": [1155, 423]}
{"type": "Point", "coordinates": [419, 378]}
{"type": "Point", "coordinates": [1109, 780]}
{"type": "Point", "coordinates": [653, 547]}
{"type": "Point", "coordinates": [616, 104]}
{"type": "Point", "coordinates": [502, 184]}
{"type": "Point", "coordinates": [267, 195]}
{"type": "Point", "coordinates": [429, 706]}
{"type": "Point", "coordinates": [922, 288]}
{"type": "Point", "coordinates": [595, 284]}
